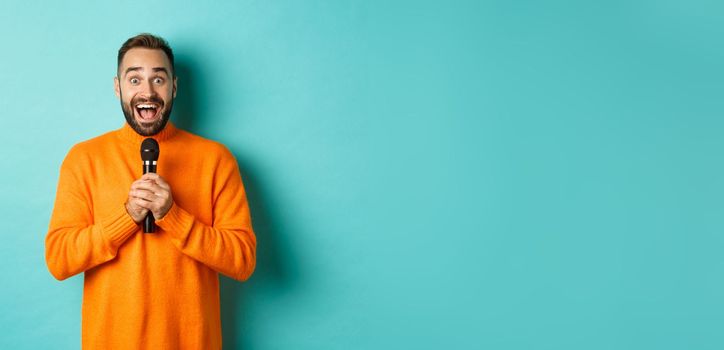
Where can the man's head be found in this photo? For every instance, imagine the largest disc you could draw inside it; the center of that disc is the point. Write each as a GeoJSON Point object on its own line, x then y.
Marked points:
{"type": "Point", "coordinates": [146, 83]}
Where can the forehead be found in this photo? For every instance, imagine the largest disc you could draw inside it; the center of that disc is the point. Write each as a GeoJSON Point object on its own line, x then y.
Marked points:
{"type": "Point", "coordinates": [145, 58]}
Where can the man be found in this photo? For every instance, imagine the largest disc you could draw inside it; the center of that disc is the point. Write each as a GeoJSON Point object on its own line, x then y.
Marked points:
{"type": "Point", "coordinates": [150, 290]}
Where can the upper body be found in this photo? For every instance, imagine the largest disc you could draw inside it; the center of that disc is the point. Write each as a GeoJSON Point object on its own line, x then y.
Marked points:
{"type": "Point", "coordinates": [157, 290]}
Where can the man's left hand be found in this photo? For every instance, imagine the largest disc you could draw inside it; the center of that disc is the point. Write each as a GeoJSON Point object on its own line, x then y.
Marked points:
{"type": "Point", "coordinates": [155, 193]}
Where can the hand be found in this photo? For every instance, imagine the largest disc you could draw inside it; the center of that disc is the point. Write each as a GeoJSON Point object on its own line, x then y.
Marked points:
{"type": "Point", "coordinates": [149, 193]}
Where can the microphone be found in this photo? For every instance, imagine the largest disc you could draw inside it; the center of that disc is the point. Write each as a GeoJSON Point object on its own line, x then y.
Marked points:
{"type": "Point", "coordinates": [149, 155]}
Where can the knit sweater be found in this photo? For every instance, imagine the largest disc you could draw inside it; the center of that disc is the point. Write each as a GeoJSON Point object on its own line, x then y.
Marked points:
{"type": "Point", "coordinates": [150, 290]}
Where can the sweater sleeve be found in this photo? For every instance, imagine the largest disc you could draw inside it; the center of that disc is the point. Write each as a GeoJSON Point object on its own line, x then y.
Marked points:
{"type": "Point", "coordinates": [75, 243]}
{"type": "Point", "coordinates": [228, 245]}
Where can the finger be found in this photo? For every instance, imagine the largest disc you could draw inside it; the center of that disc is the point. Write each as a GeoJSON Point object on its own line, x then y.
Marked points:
{"type": "Point", "coordinates": [137, 208]}
{"type": "Point", "coordinates": [142, 194]}
{"type": "Point", "coordinates": [150, 176]}
{"type": "Point", "coordinates": [151, 206]}
{"type": "Point", "coordinates": [140, 205]}
{"type": "Point", "coordinates": [140, 184]}
{"type": "Point", "coordinates": [147, 177]}
{"type": "Point", "coordinates": [148, 186]}
{"type": "Point", "coordinates": [162, 182]}
{"type": "Point", "coordinates": [151, 202]}
{"type": "Point", "coordinates": [157, 179]}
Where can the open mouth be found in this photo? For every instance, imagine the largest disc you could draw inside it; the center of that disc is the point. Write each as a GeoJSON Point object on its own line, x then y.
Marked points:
{"type": "Point", "coordinates": [147, 112]}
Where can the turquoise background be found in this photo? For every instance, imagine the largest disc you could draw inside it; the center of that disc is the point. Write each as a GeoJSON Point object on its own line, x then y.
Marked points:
{"type": "Point", "coordinates": [422, 175]}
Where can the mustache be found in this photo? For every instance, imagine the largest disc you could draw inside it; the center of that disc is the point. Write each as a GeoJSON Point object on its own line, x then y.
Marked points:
{"type": "Point", "coordinates": [156, 100]}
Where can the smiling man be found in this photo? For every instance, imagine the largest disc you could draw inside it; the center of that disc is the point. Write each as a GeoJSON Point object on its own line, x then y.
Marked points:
{"type": "Point", "coordinates": [150, 290]}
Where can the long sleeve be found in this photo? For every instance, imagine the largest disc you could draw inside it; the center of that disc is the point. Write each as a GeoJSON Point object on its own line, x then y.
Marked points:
{"type": "Point", "coordinates": [228, 245]}
{"type": "Point", "coordinates": [74, 242]}
{"type": "Point", "coordinates": [158, 290]}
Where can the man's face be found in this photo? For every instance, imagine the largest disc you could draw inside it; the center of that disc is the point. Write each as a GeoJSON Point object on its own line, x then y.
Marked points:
{"type": "Point", "coordinates": [146, 88]}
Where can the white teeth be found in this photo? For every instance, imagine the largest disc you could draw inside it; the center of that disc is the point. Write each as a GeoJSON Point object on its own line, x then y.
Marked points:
{"type": "Point", "coordinates": [145, 106]}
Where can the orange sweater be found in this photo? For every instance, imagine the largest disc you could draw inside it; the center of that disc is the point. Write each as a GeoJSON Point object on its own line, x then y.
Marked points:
{"type": "Point", "coordinates": [158, 290]}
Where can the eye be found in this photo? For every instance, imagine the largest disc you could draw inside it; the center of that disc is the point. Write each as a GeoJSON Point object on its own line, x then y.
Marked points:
{"type": "Point", "coordinates": [158, 81]}
{"type": "Point", "coordinates": [134, 81]}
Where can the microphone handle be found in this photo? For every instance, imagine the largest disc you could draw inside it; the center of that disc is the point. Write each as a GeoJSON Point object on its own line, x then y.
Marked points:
{"type": "Point", "coordinates": [149, 223]}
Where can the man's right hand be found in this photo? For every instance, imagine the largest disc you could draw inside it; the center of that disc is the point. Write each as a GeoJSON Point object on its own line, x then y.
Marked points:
{"type": "Point", "coordinates": [134, 210]}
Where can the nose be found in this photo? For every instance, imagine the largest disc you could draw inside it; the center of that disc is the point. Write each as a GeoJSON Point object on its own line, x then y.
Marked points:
{"type": "Point", "coordinates": [147, 89]}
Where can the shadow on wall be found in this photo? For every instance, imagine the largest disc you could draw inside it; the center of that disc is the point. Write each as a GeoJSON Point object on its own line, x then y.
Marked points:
{"type": "Point", "coordinates": [184, 106]}
{"type": "Point", "coordinates": [272, 275]}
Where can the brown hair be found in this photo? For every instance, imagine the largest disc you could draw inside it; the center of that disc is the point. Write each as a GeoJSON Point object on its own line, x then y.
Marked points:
{"type": "Point", "coordinates": [149, 41]}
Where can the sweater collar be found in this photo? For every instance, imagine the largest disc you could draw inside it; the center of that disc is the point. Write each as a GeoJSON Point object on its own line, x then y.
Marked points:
{"type": "Point", "coordinates": [127, 133]}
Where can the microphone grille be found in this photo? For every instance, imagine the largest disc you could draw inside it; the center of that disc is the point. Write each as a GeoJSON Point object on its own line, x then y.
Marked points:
{"type": "Point", "coordinates": [149, 149]}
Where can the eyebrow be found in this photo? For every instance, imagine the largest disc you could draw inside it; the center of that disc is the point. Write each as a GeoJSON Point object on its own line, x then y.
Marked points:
{"type": "Point", "coordinates": [160, 69]}
{"type": "Point", "coordinates": [155, 69]}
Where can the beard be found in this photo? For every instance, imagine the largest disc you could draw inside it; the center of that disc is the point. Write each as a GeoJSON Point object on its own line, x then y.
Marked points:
{"type": "Point", "coordinates": [147, 129]}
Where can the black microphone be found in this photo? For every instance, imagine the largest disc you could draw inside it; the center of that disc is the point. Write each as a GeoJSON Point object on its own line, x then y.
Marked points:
{"type": "Point", "coordinates": [149, 155]}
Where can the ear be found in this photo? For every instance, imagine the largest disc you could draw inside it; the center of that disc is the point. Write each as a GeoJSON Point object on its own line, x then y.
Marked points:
{"type": "Point", "coordinates": [174, 86]}
{"type": "Point", "coordinates": [117, 87]}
